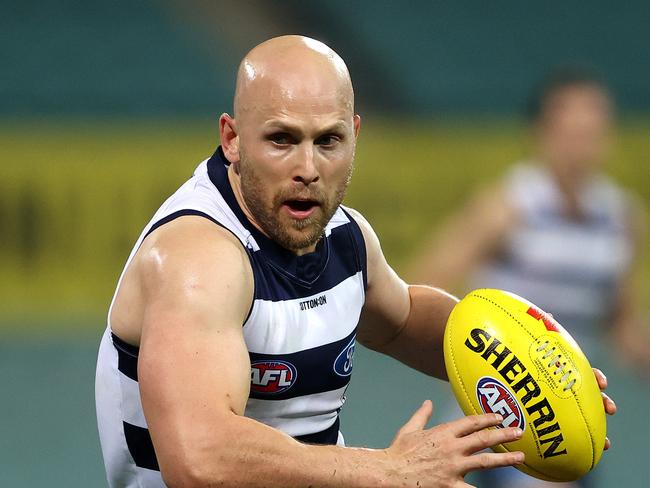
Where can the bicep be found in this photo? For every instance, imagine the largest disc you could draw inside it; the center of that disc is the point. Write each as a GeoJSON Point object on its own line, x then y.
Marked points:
{"type": "Point", "coordinates": [387, 302]}
{"type": "Point", "coordinates": [193, 367]}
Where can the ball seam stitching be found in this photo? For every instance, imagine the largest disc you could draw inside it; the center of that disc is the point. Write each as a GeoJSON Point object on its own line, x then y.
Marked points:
{"type": "Point", "coordinates": [591, 434]}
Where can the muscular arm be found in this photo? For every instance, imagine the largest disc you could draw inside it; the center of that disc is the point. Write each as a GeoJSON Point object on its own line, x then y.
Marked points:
{"type": "Point", "coordinates": [407, 322]}
{"type": "Point", "coordinates": [404, 321]}
{"type": "Point", "coordinates": [194, 375]}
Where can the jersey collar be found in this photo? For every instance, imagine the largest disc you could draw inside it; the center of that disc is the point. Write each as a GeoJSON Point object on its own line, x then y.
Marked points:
{"type": "Point", "coordinates": [305, 269]}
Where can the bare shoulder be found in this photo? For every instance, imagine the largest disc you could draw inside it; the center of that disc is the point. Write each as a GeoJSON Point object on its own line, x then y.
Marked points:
{"type": "Point", "coordinates": [387, 300]}
{"type": "Point", "coordinates": [359, 219]}
{"type": "Point", "coordinates": [189, 245]}
{"type": "Point", "coordinates": [373, 246]}
{"type": "Point", "coordinates": [194, 259]}
{"type": "Point", "coordinates": [190, 266]}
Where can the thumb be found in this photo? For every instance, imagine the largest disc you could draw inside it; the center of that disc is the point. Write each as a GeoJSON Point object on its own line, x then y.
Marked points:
{"type": "Point", "coordinates": [419, 419]}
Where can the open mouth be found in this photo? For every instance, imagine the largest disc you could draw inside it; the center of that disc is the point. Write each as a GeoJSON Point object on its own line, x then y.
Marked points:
{"type": "Point", "coordinates": [301, 205]}
{"type": "Point", "coordinates": [301, 208]}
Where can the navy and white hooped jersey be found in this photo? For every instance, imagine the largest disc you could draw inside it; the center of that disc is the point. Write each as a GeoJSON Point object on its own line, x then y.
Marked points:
{"type": "Point", "coordinates": [300, 332]}
{"type": "Point", "coordinates": [568, 267]}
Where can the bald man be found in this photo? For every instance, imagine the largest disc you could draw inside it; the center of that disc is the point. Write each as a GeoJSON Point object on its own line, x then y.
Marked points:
{"type": "Point", "coordinates": [231, 334]}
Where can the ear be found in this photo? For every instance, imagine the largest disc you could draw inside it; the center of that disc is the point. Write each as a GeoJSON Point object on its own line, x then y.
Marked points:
{"type": "Point", "coordinates": [356, 120]}
{"type": "Point", "coordinates": [229, 138]}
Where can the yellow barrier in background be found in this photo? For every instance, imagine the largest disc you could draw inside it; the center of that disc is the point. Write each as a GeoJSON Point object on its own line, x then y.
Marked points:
{"type": "Point", "coordinates": [74, 196]}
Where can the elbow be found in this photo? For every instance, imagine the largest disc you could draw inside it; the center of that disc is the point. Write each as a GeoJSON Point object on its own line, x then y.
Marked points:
{"type": "Point", "coordinates": [197, 458]}
{"type": "Point", "coordinates": [183, 477]}
{"type": "Point", "coordinates": [197, 474]}
{"type": "Point", "coordinates": [192, 478]}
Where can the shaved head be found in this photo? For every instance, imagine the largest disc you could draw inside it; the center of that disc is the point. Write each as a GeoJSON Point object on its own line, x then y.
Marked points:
{"type": "Point", "coordinates": [292, 140]}
{"type": "Point", "coordinates": [291, 67]}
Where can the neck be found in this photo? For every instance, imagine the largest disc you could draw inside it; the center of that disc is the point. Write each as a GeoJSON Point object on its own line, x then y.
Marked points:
{"type": "Point", "coordinates": [235, 184]}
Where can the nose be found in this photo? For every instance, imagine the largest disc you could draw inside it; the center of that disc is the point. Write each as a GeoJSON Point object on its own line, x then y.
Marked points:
{"type": "Point", "coordinates": [306, 170]}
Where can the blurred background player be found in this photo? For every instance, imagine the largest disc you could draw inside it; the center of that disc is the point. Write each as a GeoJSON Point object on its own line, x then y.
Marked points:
{"type": "Point", "coordinates": [556, 230]}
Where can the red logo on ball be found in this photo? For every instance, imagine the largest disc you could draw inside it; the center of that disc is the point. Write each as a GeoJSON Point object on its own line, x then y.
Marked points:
{"type": "Point", "coordinates": [494, 397]}
{"type": "Point", "coordinates": [549, 322]}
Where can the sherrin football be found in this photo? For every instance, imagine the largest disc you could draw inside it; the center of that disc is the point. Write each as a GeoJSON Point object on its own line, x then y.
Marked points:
{"type": "Point", "coordinates": [505, 355]}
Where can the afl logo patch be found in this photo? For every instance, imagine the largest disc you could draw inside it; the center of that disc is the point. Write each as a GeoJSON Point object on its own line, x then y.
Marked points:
{"type": "Point", "coordinates": [494, 397]}
{"type": "Point", "coordinates": [272, 376]}
{"type": "Point", "coordinates": [344, 361]}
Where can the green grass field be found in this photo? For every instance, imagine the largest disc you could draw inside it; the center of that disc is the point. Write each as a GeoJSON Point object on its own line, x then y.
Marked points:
{"type": "Point", "coordinates": [74, 195]}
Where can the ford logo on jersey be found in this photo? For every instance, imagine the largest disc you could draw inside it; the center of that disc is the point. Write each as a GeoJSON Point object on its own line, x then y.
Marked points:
{"type": "Point", "coordinates": [494, 397]}
{"type": "Point", "coordinates": [343, 362]}
{"type": "Point", "coordinates": [272, 376]}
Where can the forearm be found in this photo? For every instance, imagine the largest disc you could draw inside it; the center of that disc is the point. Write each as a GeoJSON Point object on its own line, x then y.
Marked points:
{"type": "Point", "coordinates": [419, 343]}
{"type": "Point", "coordinates": [246, 453]}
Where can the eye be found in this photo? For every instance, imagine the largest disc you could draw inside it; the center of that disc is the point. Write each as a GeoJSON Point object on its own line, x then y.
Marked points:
{"type": "Point", "coordinates": [327, 140]}
{"type": "Point", "coordinates": [280, 138]}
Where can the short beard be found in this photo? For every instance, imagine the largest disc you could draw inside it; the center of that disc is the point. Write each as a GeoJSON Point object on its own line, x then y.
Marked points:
{"type": "Point", "coordinates": [306, 232]}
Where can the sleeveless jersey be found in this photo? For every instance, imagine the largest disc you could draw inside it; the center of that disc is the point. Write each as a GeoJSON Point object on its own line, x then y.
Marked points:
{"type": "Point", "coordinates": [570, 268]}
{"type": "Point", "coordinates": [300, 332]}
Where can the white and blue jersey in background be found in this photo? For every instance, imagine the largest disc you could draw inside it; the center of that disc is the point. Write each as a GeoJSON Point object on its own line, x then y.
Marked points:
{"type": "Point", "coordinates": [569, 267]}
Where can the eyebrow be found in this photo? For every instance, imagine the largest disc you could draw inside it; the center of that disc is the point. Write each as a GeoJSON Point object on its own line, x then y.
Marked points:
{"type": "Point", "coordinates": [338, 126]}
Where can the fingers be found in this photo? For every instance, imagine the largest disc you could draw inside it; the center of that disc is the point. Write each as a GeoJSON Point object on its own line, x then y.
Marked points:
{"type": "Point", "coordinates": [608, 403]}
{"type": "Point", "coordinates": [487, 438]}
{"type": "Point", "coordinates": [419, 419]}
{"type": "Point", "coordinates": [488, 460]}
{"type": "Point", "coordinates": [473, 423]}
{"type": "Point", "coordinates": [600, 378]}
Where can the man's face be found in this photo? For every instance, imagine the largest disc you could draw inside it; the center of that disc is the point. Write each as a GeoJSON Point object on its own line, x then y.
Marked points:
{"type": "Point", "coordinates": [574, 130]}
{"type": "Point", "coordinates": [296, 156]}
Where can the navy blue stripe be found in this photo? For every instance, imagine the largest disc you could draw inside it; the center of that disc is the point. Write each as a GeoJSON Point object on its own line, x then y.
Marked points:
{"type": "Point", "coordinates": [279, 273]}
{"type": "Point", "coordinates": [140, 446]}
{"type": "Point", "coordinates": [312, 377]}
{"type": "Point", "coordinates": [596, 221]}
{"type": "Point", "coordinates": [360, 247]}
{"type": "Point", "coordinates": [218, 173]}
{"type": "Point", "coordinates": [180, 213]}
{"type": "Point", "coordinates": [198, 213]}
{"type": "Point", "coordinates": [273, 284]}
{"type": "Point", "coordinates": [600, 281]}
{"type": "Point", "coordinates": [314, 367]}
{"type": "Point", "coordinates": [127, 357]}
{"type": "Point", "coordinates": [329, 436]}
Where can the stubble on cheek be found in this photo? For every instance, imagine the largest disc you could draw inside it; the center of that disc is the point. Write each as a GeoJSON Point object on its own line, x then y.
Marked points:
{"type": "Point", "coordinates": [290, 233]}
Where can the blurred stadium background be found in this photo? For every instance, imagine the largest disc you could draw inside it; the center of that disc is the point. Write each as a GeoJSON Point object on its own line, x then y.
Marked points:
{"type": "Point", "coordinates": [105, 107]}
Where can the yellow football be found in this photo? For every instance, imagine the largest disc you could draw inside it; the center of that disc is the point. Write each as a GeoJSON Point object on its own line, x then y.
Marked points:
{"type": "Point", "coordinates": [505, 355]}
